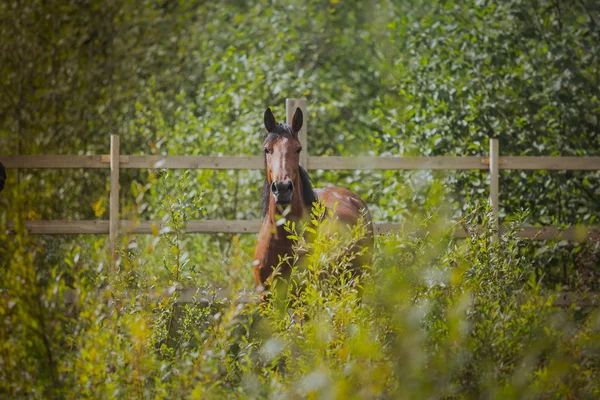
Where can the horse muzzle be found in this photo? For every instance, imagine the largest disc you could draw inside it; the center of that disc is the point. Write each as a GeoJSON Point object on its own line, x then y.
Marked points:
{"type": "Point", "coordinates": [282, 191]}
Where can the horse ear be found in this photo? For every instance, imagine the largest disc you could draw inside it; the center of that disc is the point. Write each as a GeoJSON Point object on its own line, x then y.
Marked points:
{"type": "Point", "coordinates": [297, 120]}
{"type": "Point", "coordinates": [269, 121]}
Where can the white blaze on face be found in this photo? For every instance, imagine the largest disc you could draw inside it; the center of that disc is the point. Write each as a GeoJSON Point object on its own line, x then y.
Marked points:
{"type": "Point", "coordinates": [283, 158]}
{"type": "Point", "coordinates": [279, 165]}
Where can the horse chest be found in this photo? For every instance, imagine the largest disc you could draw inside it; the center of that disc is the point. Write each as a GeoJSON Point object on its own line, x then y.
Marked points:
{"type": "Point", "coordinates": [273, 250]}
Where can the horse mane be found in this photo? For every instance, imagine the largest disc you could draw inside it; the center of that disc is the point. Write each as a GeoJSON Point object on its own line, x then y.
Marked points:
{"type": "Point", "coordinates": [308, 194]}
{"type": "Point", "coordinates": [266, 192]}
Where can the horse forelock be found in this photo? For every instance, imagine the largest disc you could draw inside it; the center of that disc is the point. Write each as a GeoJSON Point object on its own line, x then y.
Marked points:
{"type": "Point", "coordinates": [281, 129]}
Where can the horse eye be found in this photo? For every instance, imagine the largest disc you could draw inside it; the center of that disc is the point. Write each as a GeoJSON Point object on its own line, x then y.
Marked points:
{"type": "Point", "coordinates": [299, 149]}
{"type": "Point", "coordinates": [266, 150]}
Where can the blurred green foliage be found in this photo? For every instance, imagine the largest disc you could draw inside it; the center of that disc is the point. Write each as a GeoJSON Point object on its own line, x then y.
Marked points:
{"type": "Point", "coordinates": [439, 317]}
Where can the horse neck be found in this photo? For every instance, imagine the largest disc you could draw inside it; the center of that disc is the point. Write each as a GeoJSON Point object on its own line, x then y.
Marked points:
{"type": "Point", "coordinates": [273, 242]}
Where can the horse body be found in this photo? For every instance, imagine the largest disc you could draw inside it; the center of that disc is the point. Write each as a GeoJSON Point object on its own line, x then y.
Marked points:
{"type": "Point", "coordinates": [348, 206]}
{"type": "Point", "coordinates": [288, 184]}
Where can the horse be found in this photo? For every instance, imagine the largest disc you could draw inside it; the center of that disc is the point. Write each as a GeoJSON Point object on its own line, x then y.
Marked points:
{"type": "Point", "coordinates": [287, 184]}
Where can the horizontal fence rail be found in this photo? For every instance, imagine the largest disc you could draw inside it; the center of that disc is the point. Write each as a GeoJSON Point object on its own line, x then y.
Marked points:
{"type": "Point", "coordinates": [325, 163]}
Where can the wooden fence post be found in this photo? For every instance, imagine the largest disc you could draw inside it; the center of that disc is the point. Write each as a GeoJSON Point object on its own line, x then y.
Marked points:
{"type": "Point", "coordinates": [494, 184]}
{"type": "Point", "coordinates": [290, 109]}
{"type": "Point", "coordinates": [114, 199]}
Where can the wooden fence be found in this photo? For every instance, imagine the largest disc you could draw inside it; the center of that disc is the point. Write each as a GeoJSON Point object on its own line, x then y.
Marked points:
{"type": "Point", "coordinates": [115, 161]}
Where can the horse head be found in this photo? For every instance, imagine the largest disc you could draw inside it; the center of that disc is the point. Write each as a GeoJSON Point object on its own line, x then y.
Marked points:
{"type": "Point", "coordinates": [286, 182]}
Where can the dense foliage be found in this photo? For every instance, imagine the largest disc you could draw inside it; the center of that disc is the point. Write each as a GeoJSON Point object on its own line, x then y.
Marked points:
{"type": "Point", "coordinates": [439, 317]}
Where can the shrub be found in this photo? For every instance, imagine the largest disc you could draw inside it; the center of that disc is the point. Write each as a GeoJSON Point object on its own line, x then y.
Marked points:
{"type": "Point", "coordinates": [438, 317]}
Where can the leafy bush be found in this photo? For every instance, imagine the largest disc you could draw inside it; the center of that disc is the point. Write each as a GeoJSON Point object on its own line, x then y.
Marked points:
{"type": "Point", "coordinates": [437, 317]}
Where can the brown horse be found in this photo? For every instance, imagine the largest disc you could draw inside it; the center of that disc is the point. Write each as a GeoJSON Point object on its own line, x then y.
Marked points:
{"type": "Point", "coordinates": [288, 184]}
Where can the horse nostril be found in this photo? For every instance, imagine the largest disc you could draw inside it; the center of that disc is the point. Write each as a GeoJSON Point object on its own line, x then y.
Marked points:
{"type": "Point", "coordinates": [274, 187]}
{"type": "Point", "coordinates": [290, 186]}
